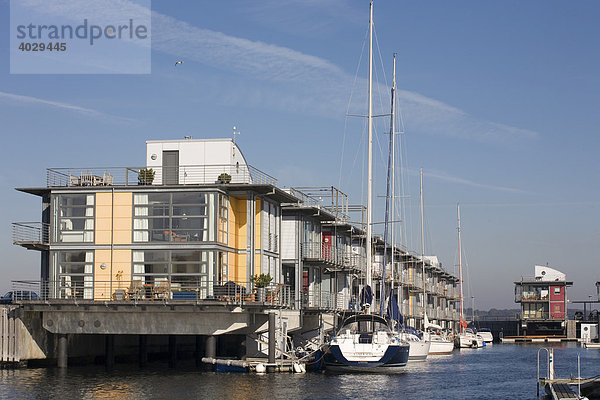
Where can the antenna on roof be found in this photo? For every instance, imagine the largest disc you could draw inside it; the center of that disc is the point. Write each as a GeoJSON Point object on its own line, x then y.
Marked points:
{"type": "Point", "coordinates": [235, 132]}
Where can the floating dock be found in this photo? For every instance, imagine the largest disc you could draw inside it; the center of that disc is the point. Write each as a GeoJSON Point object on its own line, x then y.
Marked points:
{"type": "Point", "coordinates": [256, 365]}
{"type": "Point", "coordinates": [536, 339]}
{"type": "Point", "coordinates": [560, 391]}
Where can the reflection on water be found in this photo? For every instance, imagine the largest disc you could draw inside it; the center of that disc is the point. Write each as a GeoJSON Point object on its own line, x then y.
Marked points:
{"type": "Point", "coordinates": [496, 372]}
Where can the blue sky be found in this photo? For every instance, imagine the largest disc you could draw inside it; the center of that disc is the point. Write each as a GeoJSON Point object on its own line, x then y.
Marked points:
{"type": "Point", "coordinates": [499, 102]}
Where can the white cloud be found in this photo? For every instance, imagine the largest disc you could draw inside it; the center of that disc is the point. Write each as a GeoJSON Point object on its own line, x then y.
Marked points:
{"type": "Point", "coordinates": [11, 98]}
{"type": "Point", "coordinates": [462, 181]}
{"type": "Point", "coordinates": [278, 77]}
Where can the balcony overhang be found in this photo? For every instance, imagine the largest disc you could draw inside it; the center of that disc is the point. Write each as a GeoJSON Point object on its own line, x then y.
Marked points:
{"type": "Point", "coordinates": [33, 245]}
{"type": "Point", "coordinates": [309, 211]}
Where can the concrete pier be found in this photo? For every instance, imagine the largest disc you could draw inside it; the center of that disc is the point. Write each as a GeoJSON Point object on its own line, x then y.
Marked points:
{"type": "Point", "coordinates": [211, 347]}
{"type": "Point", "coordinates": [272, 338]}
{"type": "Point", "coordinates": [62, 350]}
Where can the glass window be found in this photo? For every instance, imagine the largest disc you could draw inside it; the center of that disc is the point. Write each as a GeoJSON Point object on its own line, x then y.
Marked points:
{"type": "Point", "coordinates": [556, 290]}
{"type": "Point", "coordinates": [184, 270]}
{"type": "Point", "coordinates": [171, 217]}
{"type": "Point", "coordinates": [223, 219]}
{"type": "Point", "coordinates": [75, 218]}
{"type": "Point", "coordinates": [75, 272]}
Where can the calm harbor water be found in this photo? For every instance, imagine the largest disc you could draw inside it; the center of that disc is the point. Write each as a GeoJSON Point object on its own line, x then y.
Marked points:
{"type": "Point", "coordinates": [500, 371]}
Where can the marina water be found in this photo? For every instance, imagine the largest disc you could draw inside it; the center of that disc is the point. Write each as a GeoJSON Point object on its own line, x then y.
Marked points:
{"type": "Point", "coordinates": [499, 371]}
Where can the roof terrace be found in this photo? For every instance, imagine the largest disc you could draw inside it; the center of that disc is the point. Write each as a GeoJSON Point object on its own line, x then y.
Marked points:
{"type": "Point", "coordinates": [178, 175]}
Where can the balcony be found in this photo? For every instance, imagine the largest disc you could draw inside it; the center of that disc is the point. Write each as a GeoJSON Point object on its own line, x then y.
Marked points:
{"type": "Point", "coordinates": [136, 291]}
{"type": "Point", "coordinates": [328, 254]}
{"type": "Point", "coordinates": [530, 296]}
{"type": "Point", "coordinates": [31, 235]}
{"type": "Point", "coordinates": [181, 175]}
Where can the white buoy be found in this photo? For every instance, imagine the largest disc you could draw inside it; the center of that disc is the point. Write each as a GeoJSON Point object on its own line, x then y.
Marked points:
{"type": "Point", "coordinates": [299, 368]}
{"type": "Point", "coordinates": [261, 369]}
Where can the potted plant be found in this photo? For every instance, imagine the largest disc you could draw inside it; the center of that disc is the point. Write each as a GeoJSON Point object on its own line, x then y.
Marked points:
{"type": "Point", "coordinates": [224, 178]}
{"type": "Point", "coordinates": [145, 176]}
{"type": "Point", "coordinates": [260, 283]}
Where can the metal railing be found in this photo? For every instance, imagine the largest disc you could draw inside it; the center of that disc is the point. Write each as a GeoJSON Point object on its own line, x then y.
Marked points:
{"type": "Point", "coordinates": [180, 175]}
{"type": "Point", "coordinates": [30, 232]}
{"type": "Point", "coordinates": [327, 253]}
{"type": "Point", "coordinates": [530, 296]}
{"type": "Point", "coordinates": [329, 301]}
{"type": "Point", "coordinates": [536, 315]}
{"type": "Point", "coordinates": [158, 290]}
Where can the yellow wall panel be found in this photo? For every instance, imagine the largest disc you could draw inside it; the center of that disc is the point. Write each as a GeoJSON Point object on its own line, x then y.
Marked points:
{"type": "Point", "coordinates": [101, 276]}
{"type": "Point", "coordinates": [104, 199]}
{"type": "Point", "coordinates": [102, 237]}
{"type": "Point", "coordinates": [240, 270]}
{"type": "Point", "coordinates": [257, 266]}
{"type": "Point", "coordinates": [122, 237]}
{"type": "Point", "coordinates": [123, 199]}
{"type": "Point", "coordinates": [237, 223]}
{"type": "Point", "coordinates": [103, 224]}
{"type": "Point", "coordinates": [122, 211]}
{"type": "Point", "coordinates": [116, 275]}
{"type": "Point", "coordinates": [119, 215]}
{"type": "Point", "coordinates": [257, 225]}
{"type": "Point", "coordinates": [103, 211]}
{"type": "Point", "coordinates": [122, 224]}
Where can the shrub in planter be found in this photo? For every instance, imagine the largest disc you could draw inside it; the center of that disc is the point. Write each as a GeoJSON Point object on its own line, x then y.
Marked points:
{"type": "Point", "coordinates": [224, 178]}
{"type": "Point", "coordinates": [146, 176]}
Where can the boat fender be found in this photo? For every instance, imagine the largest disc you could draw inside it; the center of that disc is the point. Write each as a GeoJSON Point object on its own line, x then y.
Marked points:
{"type": "Point", "coordinates": [261, 369]}
{"type": "Point", "coordinates": [299, 368]}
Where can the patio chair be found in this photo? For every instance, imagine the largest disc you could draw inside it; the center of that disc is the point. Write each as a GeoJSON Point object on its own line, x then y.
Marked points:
{"type": "Point", "coordinates": [161, 289]}
{"type": "Point", "coordinates": [135, 290]}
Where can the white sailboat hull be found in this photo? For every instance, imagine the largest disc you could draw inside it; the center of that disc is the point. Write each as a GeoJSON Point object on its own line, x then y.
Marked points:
{"type": "Point", "coordinates": [441, 345]}
{"type": "Point", "coordinates": [419, 347]}
{"type": "Point", "coordinates": [487, 336]}
{"type": "Point", "coordinates": [468, 341]}
{"type": "Point", "coordinates": [418, 350]}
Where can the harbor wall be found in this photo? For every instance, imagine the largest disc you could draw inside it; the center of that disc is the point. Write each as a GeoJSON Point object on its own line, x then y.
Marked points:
{"type": "Point", "coordinates": [501, 328]}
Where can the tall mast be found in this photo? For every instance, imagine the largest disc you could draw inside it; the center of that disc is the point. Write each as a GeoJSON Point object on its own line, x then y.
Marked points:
{"type": "Point", "coordinates": [370, 156]}
{"type": "Point", "coordinates": [387, 211]}
{"type": "Point", "coordinates": [460, 295]}
{"type": "Point", "coordinates": [423, 252]}
{"type": "Point", "coordinates": [393, 156]}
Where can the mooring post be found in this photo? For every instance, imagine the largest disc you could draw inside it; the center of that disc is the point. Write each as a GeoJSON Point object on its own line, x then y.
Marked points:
{"type": "Point", "coordinates": [143, 350]}
{"type": "Point", "coordinates": [271, 338]}
{"type": "Point", "coordinates": [211, 347]}
{"type": "Point", "coordinates": [62, 350]}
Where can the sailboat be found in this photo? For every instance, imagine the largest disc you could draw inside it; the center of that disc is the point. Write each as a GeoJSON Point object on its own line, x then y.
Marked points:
{"type": "Point", "coordinates": [419, 344]}
{"type": "Point", "coordinates": [436, 343]}
{"type": "Point", "coordinates": [366, 342]}
{"type": "Point", "coordinates": [440, 339]}
{"type": "Point", "coordinates": [466, 338]}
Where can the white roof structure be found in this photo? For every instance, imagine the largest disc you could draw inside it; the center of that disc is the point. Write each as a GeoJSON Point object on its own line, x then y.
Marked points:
{"type": "Point", "coordinates": [198, 161]}
{"type": "Point", "coordinates": [547, 274]}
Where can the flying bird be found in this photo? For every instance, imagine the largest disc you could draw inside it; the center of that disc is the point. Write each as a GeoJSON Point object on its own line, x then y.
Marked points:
{"type": "Point", "coordinates": [178, 62]}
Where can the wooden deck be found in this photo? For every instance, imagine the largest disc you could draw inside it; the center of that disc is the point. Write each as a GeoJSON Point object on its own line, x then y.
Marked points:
{"type": "Point", "coordinates": [560, 391]}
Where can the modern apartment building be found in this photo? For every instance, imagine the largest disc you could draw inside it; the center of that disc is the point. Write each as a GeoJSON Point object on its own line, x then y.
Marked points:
{"type": "Point", "coordinates": [191, 229]}
{"type": "Point", "coordinates": [543, 300]}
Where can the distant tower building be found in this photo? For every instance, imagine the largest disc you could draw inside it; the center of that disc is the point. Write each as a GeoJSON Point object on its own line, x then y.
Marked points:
{"type": "Point", "coordinates": [543, 301]}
